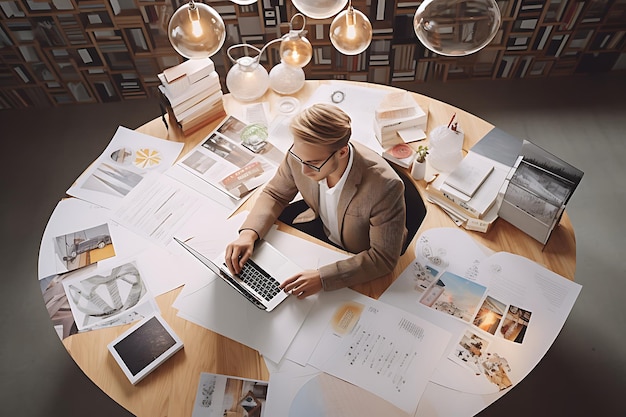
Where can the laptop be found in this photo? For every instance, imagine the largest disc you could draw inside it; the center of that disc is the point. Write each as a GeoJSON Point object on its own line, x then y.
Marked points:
{"type": "Point", "coordinates": [260, 277]}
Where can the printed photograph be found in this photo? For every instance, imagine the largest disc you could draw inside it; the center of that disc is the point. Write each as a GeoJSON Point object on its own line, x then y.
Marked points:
{"type": "Point", "coordinates": [469, 352]}
{"type": "Point", "coordinates": [489, 315]}
{"type": "Point", "coordinates": [454, 295]}
{"type": "Point", "coordinates": [221, 147]}
{"type": "Point", "coordinates": [199, 162]}
{"type": "Point", "coordinates": [220, 395]}
{"type": "Point", "coordinates": [496, 368]}
{"type": "Point", "coordinates": [515, 324]}
{"type": "Point", "coordinates": [84, 247]}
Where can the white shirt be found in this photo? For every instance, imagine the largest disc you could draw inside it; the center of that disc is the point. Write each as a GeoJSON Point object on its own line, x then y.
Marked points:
{"type": "Point", "coordinates": [329, 198]}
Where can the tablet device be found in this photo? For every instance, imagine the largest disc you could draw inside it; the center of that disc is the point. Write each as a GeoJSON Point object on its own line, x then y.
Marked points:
{"type": "Point", "coordinates": [143, 347]}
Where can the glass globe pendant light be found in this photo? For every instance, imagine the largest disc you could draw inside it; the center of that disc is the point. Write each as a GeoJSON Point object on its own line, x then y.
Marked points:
{"type": "Point", "coordinates": [196, 30]}
{"type": "Point", "coordinates": [286, 78]}
{"type": "Point", "coordinates": [319, 9]}
{"type": "Point", "coordinates": [295, 48]}
{"type": "Point", "coordinates": [456, 27]}
{"type": "Point", "coordinates": [296, 51]}
{"type": "Point", "coordinates": [247, 79]}
{"type": "Point", "coordinates": [351, 31]}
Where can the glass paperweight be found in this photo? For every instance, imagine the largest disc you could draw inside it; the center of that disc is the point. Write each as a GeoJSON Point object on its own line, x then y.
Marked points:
{"type": "Point", "coordinates": [254, 137]}
{"type": "Point", "coordinates": [456, 27]}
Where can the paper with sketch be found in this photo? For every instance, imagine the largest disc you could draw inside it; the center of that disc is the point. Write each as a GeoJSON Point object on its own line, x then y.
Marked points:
{"type": "Point", "coordinates": [160, 205]}
{"type": "Point", "coordinates": [221, 164]}
{"type": "Point", "coordinates": [382, 349]}
{"type": "Point", "coordinates": [522, 309]}
{"type": "Point", "coordinates": [101, 297]}
{"type": "Point", "coordinates": [359, 102]}
{"type": "Point", "coordinates": [124, 163]}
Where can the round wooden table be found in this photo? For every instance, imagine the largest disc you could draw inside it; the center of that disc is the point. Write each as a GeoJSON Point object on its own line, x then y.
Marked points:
{"type": "Point", "coordinates": [170, 390]}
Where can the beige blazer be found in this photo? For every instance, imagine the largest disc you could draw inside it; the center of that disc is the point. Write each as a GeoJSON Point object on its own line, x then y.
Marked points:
{"type": "Point", "coordinates": [371, 215]}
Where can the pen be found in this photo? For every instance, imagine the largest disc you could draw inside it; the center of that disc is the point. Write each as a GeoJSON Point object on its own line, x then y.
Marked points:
{"type": "Point", "coordinates": [451, 120]}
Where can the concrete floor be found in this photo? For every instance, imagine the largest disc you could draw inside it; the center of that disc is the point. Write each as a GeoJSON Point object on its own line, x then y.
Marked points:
{"type": "Point", "coordinates": [579, 119]}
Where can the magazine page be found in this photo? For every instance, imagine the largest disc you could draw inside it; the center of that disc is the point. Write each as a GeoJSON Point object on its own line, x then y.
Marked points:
{"type": "Point", "coordinates": [230, 162]}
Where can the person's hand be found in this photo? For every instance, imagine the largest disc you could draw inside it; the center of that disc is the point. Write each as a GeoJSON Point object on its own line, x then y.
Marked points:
{"type": "Point", "coordinates": [304, 284]}
{"type": "Point", "coordinates": [239, 251]}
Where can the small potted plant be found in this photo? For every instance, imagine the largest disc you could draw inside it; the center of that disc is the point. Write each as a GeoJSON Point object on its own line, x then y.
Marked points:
{"type": "Point", "coordinates": [418, 170]}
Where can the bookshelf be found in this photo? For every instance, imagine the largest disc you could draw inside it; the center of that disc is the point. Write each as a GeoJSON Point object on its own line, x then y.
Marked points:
{"type": "Point", "coordinates": [56, 52]}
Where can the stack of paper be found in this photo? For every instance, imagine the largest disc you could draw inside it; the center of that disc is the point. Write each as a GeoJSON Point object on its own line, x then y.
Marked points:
{"type": "Point", "coordinates": [470, 192]}
{"type": "Point", "coordinates": [192, 94]}
{"type": "Point", "coordinates": [396, 113]}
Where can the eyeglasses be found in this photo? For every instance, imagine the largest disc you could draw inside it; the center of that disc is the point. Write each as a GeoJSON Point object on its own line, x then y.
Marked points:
{"type": "Point", "coordinates": [313, 167]}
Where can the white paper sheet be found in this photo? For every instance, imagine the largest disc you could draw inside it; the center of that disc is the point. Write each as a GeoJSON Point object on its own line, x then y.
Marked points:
{"type": "Point", "coordinates": [381, 349]}
{"type": "Point", "coordinates": [218, 307]}
{"type": "Point", "coordinates": [160, 205]}
{"type": "Point", "coordinates": [127, 159]}
{"type": "Point", "coordinates": [359, 102]}
{"type": "Point", "coordinates": [489, 353]}
{"type": "Point", "coordinates": [297, 391]}
{"type": "Point", "coordinates": [101, 297]}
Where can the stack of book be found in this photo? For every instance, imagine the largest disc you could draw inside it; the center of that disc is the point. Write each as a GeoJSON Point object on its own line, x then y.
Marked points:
{"type": "Point", "coordinates": [192, 94]}
{"type": "Point", "coordinates": [469, 194]}
{"type": "Point", "coordinates": [399, 119]}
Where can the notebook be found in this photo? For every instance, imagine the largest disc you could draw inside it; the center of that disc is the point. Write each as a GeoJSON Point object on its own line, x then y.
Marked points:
{"type": "Point", "coordinates": [260, 277]}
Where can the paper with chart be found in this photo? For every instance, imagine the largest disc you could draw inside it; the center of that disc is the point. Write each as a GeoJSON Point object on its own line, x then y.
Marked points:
{"type": "Point", "coordinates": [382, 349]}
{"type": "Point", "coordinates": [125, 162]}
{"type": "Point", "coordinates": [508, 329]}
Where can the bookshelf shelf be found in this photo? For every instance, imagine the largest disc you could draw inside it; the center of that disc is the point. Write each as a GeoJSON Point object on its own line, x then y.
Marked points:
{"type": "Point", "coordinates": [60, 52]}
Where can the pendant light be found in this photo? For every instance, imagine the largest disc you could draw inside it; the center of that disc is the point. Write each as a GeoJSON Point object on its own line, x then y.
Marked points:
{"type": "Point", "coordinates": [351, 31]}
{"type": "Point", "coordinates": [456, 27]}
{"type": "Point", "coordinates": [196, 30]}
{"type": "Point", "coordinates": [248, 80]}
{"type": "Point", "coordinates": [319, 9]}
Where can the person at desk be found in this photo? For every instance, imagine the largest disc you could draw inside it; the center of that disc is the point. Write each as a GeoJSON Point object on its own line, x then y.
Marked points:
{"type": "Point", "coordinates": [352, 198]}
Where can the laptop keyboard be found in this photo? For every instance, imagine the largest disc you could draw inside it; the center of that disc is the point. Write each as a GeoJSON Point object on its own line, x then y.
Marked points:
{"type": "Point", "coordinates": [259, 280]}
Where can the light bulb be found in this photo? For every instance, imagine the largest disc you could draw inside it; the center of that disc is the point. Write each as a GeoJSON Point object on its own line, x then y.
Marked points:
{"type": "Point", "coordinates": [351, 32]}
{"type": "Point", "coordinates": [319, 9]}
{"type": "Point", "coordinates": [295, 49]}
{"type": "Point", "coordinates": [196, 30]}
{"type": "Point", "coordinates": [456, 27]}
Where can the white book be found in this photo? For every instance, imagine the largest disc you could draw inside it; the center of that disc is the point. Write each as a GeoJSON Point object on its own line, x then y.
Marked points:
{"type": "Point", "coordinates": [212, 82]}
{"type": "Point", "coordinates": [468, 176]}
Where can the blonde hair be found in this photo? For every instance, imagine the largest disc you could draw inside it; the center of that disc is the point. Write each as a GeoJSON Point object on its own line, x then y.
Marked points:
{"type": "Point", "coordinates": [322, 124]}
